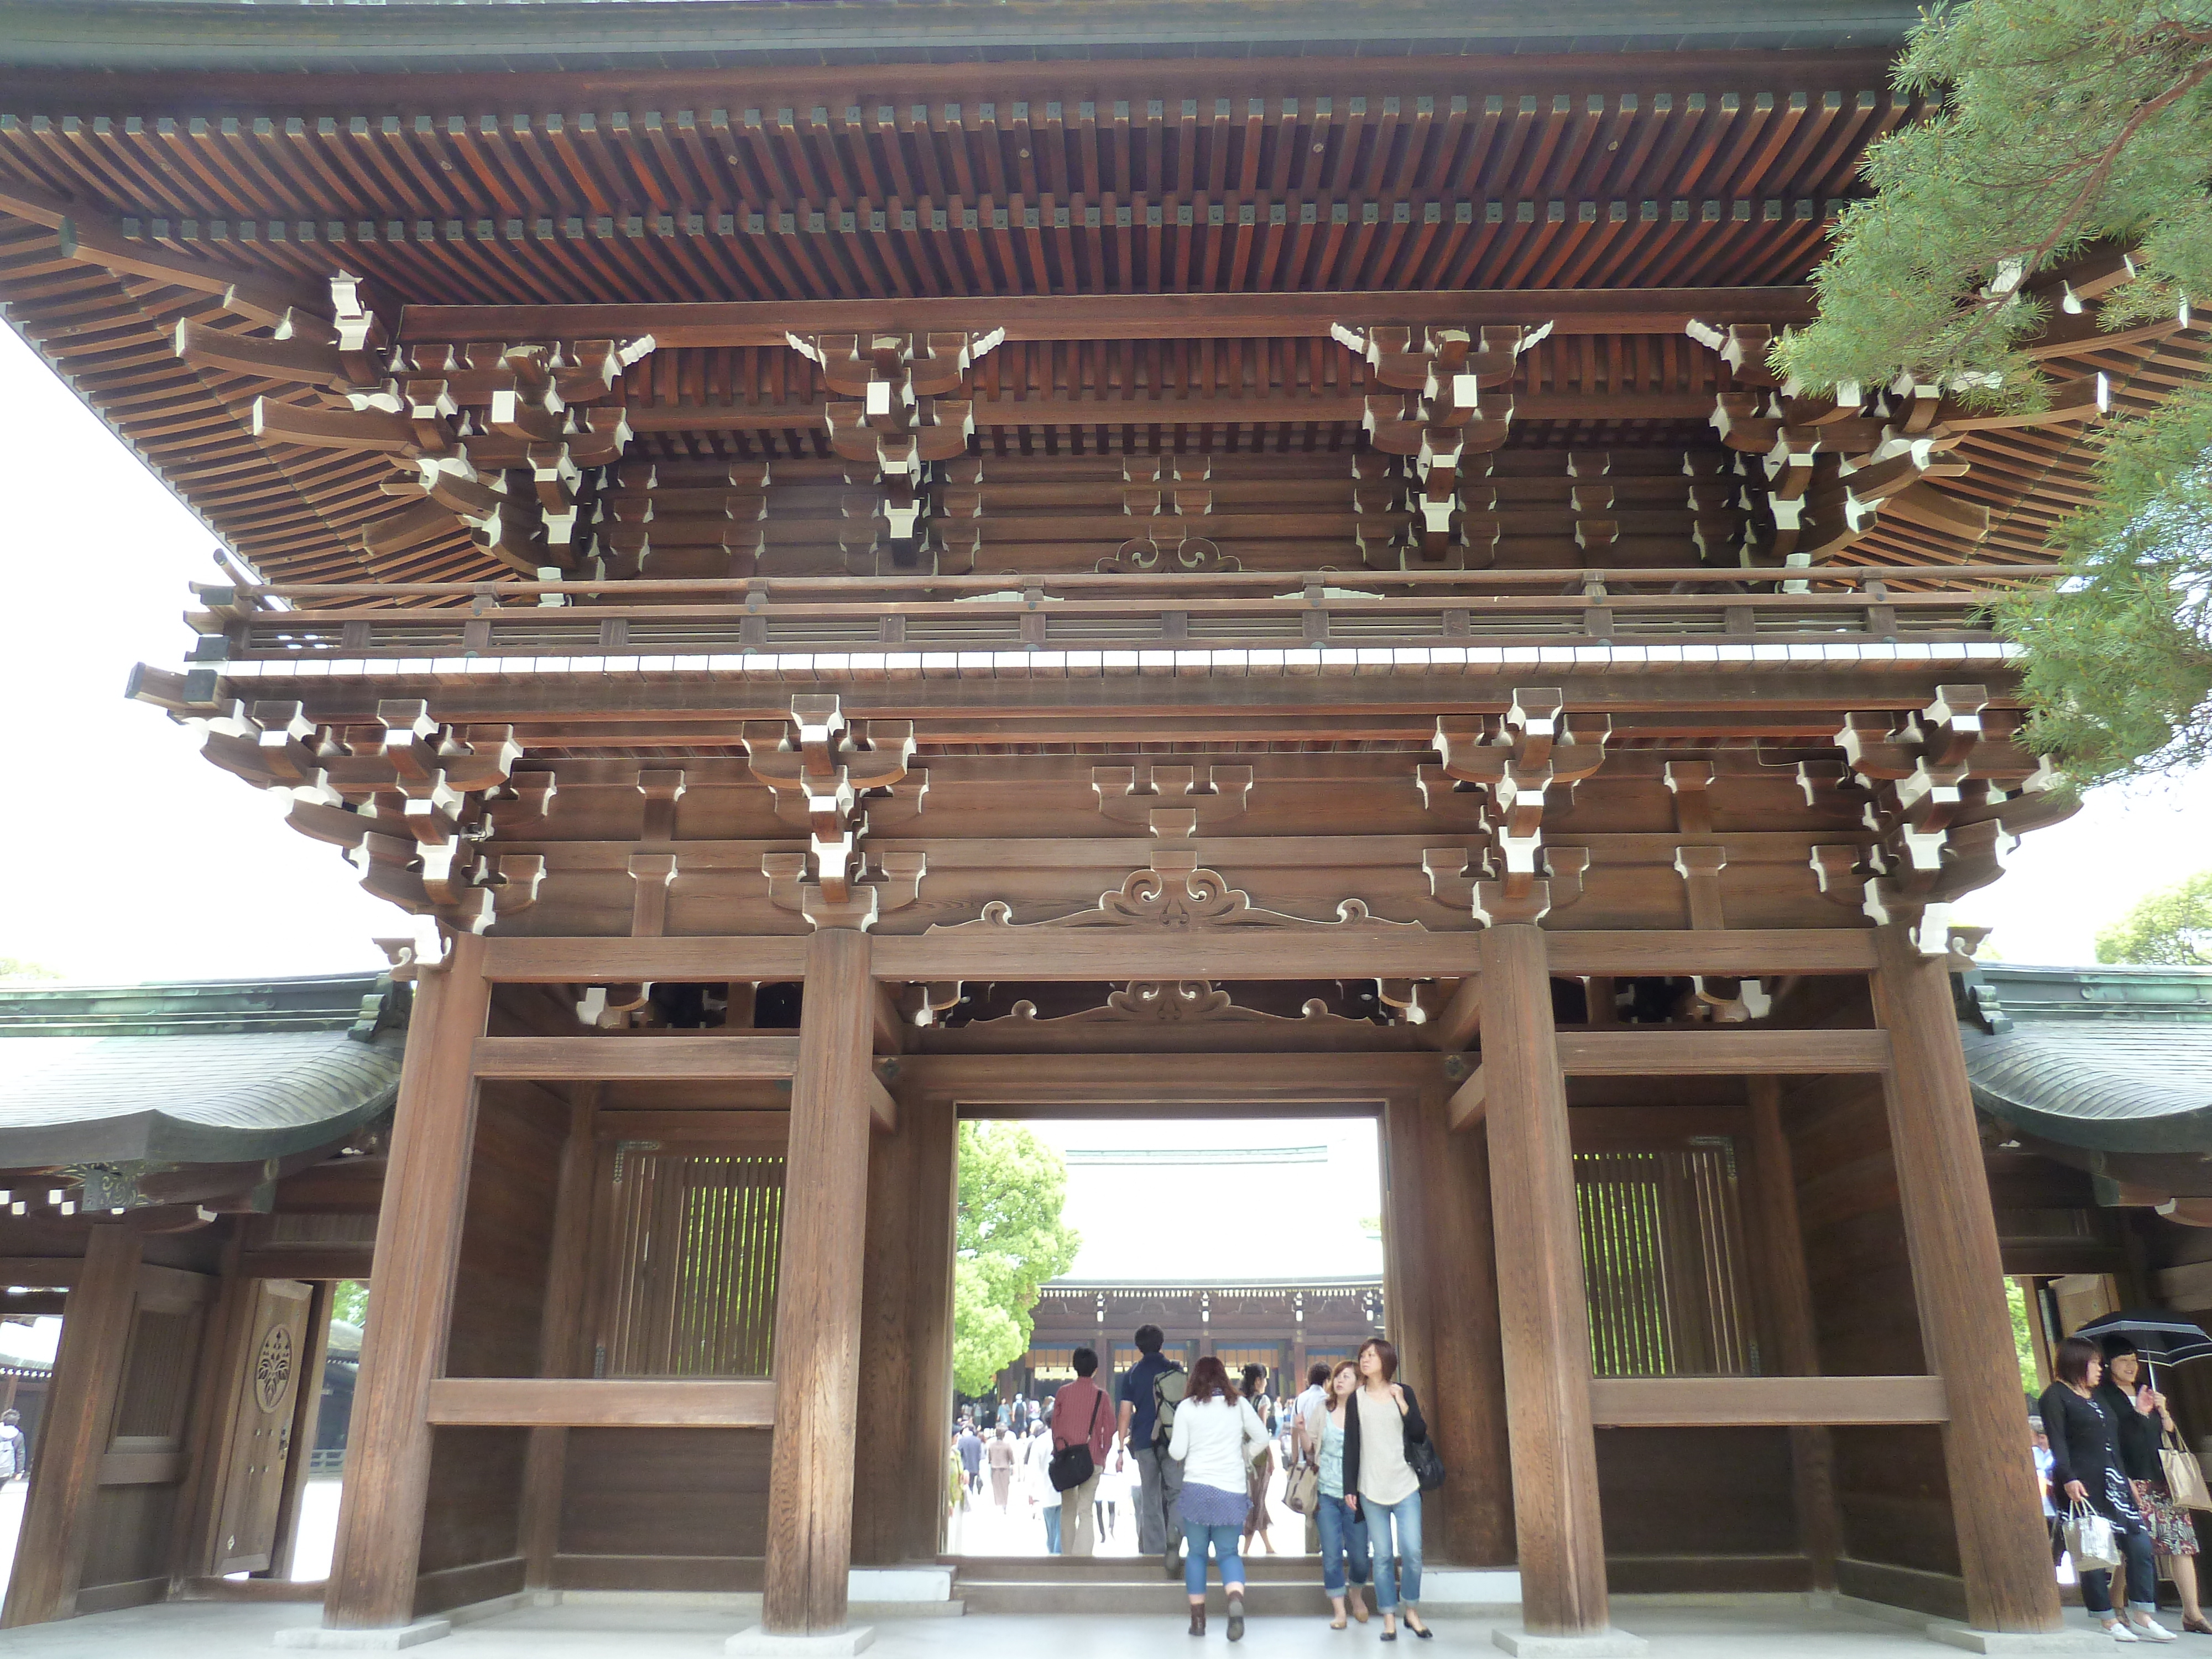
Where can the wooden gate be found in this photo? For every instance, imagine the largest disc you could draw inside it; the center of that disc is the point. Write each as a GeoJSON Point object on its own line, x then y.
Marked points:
{"type": "Point", "coordinates": [261, 1441]}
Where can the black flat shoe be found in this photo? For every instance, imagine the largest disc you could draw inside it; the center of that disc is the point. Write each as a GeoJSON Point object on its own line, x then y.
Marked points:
{"type": "Point", "coordinates": [1421, 1630]}
{"type": "Point", "coordinates": [1237, 1619]}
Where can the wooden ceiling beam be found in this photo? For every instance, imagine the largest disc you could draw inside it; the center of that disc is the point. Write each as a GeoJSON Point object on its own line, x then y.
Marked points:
{"type": "Point", "coordinates": [1663, 311]}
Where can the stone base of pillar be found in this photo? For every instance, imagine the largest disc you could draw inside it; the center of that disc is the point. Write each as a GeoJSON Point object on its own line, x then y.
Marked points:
{"type": "Point", "coordinates": [388, 1640]}
{"type": "Point", "coordinates": [2075, 1640]}
{"type": "Point", "coordinates": [758, 1644]}
{"type": "Point", "coordinates": [1602, 1644]}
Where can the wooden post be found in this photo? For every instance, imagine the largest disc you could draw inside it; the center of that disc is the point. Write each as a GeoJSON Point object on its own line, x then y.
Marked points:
{"type": "Point", "coordinates": [307, 1413]}
{"type": "Point", "coordinates": [1958, 1281]}
{"type": "Point", "coordinates": [818, 1311]}
{"type": "Point", "coordinates": [560, 1334]}
{"type": "Point", "coordinates": [418, 1243]}
{"type": "Point", "coordinates": [1779, 1269]}
{"type": "Point", "coordinates": [1543, 1320]}
{"type": "Point", "coordinates": [58, 1510]}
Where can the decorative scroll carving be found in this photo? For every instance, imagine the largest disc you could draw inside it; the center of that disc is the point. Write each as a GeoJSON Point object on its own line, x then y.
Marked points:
{"type": "Point", "coordinates": [1181, 1002]}
{"type": "Point", "coordinates": [1947, 793]}
{"type": "Point", "coordinates": [899, 422]}
{"type": "Point", "coordinates": [1171, 801]}
{"type": "Point", "coordinates": [1524, 761]}
{"type": "Point", "coordinates": [404, 797]}
{"type": "Point", "coordinates": [823, 765]}
{"type": "Point", "coordinates": [1434, 419]}
{"type": "Point", "coordinates": [506, 438]}
{"type": "Point", "coordinates": [1174, 893]}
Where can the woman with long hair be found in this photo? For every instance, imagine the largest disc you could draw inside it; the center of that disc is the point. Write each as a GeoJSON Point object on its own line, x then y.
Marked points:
{"type": "Point", "coordinates": [1379, 1484]}
{"type": "Point", "coordinates": [1259, 1473]}
{"type": "Point", "coordinates": [1343, 1534]}
{"type": "Point", "coordinates": [2085, 1467]}
{"type": "Point", "coordinates": [2140, 1412]}
{"type": "Point", "coordinates": [1215, 1435]}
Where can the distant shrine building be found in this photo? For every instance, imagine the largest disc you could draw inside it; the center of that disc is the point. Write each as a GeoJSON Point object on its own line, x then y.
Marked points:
{"type": "Point", "coordinates": [849, 567]}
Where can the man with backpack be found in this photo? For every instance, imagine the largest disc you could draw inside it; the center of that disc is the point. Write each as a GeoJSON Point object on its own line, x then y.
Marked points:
{"type": "Point", "coordinates": [1149, 1393]}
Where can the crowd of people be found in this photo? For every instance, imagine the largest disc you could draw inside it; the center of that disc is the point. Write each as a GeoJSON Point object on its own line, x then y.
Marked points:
{"type": "Point", "coordinates": [2098, 1432]}
{"type": "Point", "coordinates": [1188, 1461]}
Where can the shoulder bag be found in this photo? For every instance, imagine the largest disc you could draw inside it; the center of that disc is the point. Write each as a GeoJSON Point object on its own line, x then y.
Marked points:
{"type": "Point", "coordinates": [2184, 1476]}
{"type": "Point", "coordinates": [1072, 1464]}
{"type": "Point", "coordinates": [1428, 1468]}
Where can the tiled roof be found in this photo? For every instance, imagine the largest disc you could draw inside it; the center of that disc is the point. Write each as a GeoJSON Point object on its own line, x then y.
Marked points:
{"type": "Point", "coordinates": [2114, 1059]}
{"type": "Point", "coordinates": [223, 1071]}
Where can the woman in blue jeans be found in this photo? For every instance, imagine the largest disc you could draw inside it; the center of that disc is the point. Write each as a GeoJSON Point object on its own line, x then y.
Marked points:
{"type": "Point", "coordinates": [1216, 1435]}
{"type": "Point", "coordinates": [1343, 1534]}
{"type": "Point", "coordinates": [1379, 1485]}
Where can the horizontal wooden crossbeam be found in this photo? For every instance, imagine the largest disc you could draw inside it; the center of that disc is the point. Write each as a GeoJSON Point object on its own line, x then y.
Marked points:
{"type": "Point", "coordinates": [1109, 316]}
{"type": "Point", "coordinates": [1702, 1051]}
{"type": "Point", "coordinates": [559, 1403]}
{"type": "Point", "coordinates": [649, 1058]}
{"type": "Point", "coordinates": [1685, 1402]}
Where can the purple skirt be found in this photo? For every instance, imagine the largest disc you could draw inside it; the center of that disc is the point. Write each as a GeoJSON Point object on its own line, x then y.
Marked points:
{"type": "Point", "coordinates": [1210, 1506]}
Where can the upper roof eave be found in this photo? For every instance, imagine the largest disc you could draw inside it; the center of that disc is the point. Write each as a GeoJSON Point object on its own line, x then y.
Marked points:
{"type": "Point", "coordinates": [122, 36]}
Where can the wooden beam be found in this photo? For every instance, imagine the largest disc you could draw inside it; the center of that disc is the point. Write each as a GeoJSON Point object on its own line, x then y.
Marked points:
{"type": "Point", "coordinates": [1465, 1107]}
{"type": "Point", "coordinates": [635, 1058]}
{"type": "Point", "coordinates": [418, 1243]}
{"type": "Point", "coordinates": [819, 1295]}
{"type": "Point", "coordinates": [883, 1110]}
{"type": "Point", "coordinates": [1454, 1028]}
{"type": "Point", "coordinates": [890, 1030]}
{"type": "Point", "coordinates": [1958, 1278]}
{"type": "Point", "coordinates": [1700, 1402]}
{"type": "Point", "coordinates": [73, 1435]}
{"type": "Point", "coordinates": [1110, 316]}
{"type": "Point", "coordinates": [1181, 410]}
{"type": "Point", "coordinates": [572, 1402]}
{"type": "Point", "coordinates": [1127, 953]}
{"type": "Point", "coordinates": [625, 961]}
{"type": "Point", "coordinates": [1712, 1051]}
{"type": "Point", "coordinates": [1735, 954]}
{"type": "Point", "coordinates": [1542, 1304]}
{"type": "Point", "coordinates": [560, 1334]}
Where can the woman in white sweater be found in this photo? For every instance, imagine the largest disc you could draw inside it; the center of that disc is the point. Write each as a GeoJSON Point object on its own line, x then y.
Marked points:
{"type": "Point", "coordinates": [1216, 1434]}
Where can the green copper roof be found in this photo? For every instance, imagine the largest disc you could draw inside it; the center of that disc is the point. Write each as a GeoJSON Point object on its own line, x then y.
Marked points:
{"type": "Point", "coordinates": [232, 1071]}
{"type": "Point", "coordinates": [2113, 1060]}
{"type": "Point", "coordinates": [444, 35]}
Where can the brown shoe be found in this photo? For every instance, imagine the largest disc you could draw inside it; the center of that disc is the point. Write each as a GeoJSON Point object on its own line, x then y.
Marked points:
{"type": "Point", "coordinates": [1198, 1619]}
{"type": "Point", "coordinates": [1358, 1607]}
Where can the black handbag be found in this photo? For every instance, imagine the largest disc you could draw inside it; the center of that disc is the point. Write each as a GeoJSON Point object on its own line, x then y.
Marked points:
{"type": "Point", "coordinates": [1072, 1465]}
{"type": "Point", "coordinates": [1428, 1468]}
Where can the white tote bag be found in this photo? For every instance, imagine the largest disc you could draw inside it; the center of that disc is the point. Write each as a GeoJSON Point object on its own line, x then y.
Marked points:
{"type": "Point", "coordinates": [2090, 1540]}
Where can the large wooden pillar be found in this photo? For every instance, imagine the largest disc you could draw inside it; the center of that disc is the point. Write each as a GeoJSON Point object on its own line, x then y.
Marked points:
{"type": "Point", "coordinates": [418, 1242]}
{"type": "Point", "coordinates": [1543, 1320]}
{"type": "Point", "coordinates": [80, 1405]}
{"type": "Point", "coordinates": [817, 1310]}
{"type": "Point", "coordinates": [1958, 1281]}
{"type": "Point", "coordinates": [906, 1339]}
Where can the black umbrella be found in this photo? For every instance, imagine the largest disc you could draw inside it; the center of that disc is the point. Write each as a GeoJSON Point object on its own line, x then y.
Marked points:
{"type": "Point", "coordinates": [2160, 1337]}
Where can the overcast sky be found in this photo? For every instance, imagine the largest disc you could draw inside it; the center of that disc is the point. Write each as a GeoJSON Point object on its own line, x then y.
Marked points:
{"type": "Point", "coordinates": [127, 857]}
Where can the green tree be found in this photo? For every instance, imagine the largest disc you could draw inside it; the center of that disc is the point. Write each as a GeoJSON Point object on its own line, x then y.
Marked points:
{"type": "Point", "coordinates": [2023, 1345]}
{"type": "Point", "coordinates": [2065, 124]}
{"type": "Point", "coordinates": [349, 1301]}
{"type": "Point", "coordinates": [2171, 929]}
{"type": "Point", "coordinates": [1009, 1238]}
{"type": "Point", "coordinates": [17, 970]}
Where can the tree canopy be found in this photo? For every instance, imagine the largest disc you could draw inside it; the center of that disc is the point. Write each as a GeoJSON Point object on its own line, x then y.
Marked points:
{"type": "Point", "coordinates": [1008, 1239]}
{"type": "Point", "coordinates": [2171, 929]}
{"type": "Point", "coordinates": [2066, 128]}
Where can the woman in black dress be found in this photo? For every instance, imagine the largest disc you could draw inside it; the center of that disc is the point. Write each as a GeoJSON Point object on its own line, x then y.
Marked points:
{"type": "Point", "coordinates": [2140, 1411]}
{"type": "Point", "coordinates": [2086, 1469]}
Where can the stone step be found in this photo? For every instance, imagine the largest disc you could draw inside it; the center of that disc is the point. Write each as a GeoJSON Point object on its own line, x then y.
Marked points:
{"type": "Point", "coordinates": [1119, 1569]}
{"type": "Point", "coordinates": [1154, 1595]}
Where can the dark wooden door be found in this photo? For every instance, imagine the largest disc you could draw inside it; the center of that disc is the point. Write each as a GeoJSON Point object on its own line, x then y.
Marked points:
{"type": "Point", "coordinates": [261, 1431]}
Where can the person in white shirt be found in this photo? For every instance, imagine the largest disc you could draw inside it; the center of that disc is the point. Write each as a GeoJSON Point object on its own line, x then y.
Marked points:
{"type": "Point", "coordinates": [1037, 1465]}
{"type": "Point", "coordinates": [1216, 1435]}
{"type": "Point", "coordinates": [15, 1450]}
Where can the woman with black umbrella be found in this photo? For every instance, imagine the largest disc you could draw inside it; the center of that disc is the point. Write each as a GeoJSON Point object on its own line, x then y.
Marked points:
{"type": "Point", "coordinates": [2086, 1469]}
{"type": "Point", "coordinates": [2140, 1411]}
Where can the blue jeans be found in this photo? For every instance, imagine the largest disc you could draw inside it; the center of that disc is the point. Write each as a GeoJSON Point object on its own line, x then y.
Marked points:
{"type": "Point", "coordinates": [2142, 1573]}
{"type": "Point", "coordinates": [1052, 1530]}
{"type": "Point", "coordinates": [1195, 1537]}
{"type": "Point", "coordinates": [1343, 1535]}
{"type": "Point", "coordinates": [1397, 1559]}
